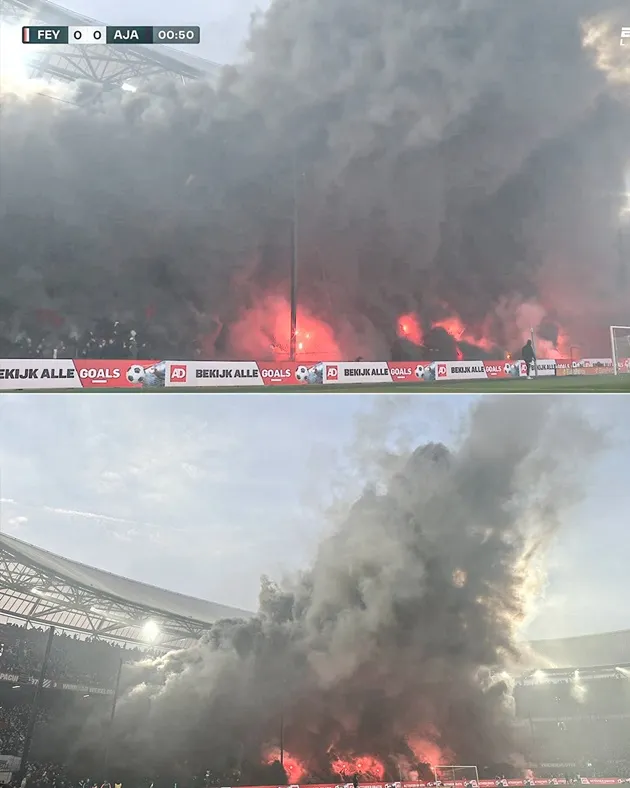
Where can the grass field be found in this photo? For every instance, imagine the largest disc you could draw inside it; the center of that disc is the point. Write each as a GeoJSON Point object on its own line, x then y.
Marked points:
{"type": "Point", "coordinates": [578, 384]}
{"type": "Point", "coordinates": [584, 384]}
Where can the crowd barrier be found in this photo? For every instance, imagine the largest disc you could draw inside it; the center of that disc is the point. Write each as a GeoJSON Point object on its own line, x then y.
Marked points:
{"type": "Point", "coordinates": [61, 374]}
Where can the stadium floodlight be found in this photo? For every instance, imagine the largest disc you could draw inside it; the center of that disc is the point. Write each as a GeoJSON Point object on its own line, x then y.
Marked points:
{"type": "Point", "coordinates": [620, 349]}
{"type": "Point", "coordinates": [539, 676]}
{"type": "Point", "coordinates": [150, 631]}
{"type": "Point", "coordinates": [128, 88]}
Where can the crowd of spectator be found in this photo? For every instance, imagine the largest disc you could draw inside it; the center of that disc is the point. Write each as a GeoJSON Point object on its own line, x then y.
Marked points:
{"type": "Point", "coordinates": [73, 659]}
{"type": "Point", "coordinates": [584, 741]}
{"type": "Point", "coordinates": [13, 726]}
{"type": "Point", "coordinates": [106, 339]}
{"type": "Point", "coordinates": [575, 698]}
{"type": "Point", "coordinates": [584, 721]}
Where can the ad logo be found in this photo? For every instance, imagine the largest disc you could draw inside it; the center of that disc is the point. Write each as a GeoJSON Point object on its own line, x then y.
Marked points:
{"type": "Point", "coordinates": [178, 373]}
{"type": "Point", "coordinates": [332, 372]}
{"type": "Point", "coordinates": [442, 371]}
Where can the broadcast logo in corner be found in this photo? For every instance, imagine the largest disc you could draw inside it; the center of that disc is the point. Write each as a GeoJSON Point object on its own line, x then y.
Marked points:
{"type": "Point", "coordinates": [624, 40]}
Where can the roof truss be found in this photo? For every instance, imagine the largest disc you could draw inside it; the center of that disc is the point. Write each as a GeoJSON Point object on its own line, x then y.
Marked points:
{"type": "Point", "coordinates": [106, 65]}
{"type": "Point", "coordinates": [36, 596]}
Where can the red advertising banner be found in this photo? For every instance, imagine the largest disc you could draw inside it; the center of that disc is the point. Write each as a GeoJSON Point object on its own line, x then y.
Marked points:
{"type": "Point", "coordinates": [462, 783]}
{"type": "Point", "coordinates": [62, 374]}
{"type": "Point", "coordinates": [114, 374]}
{"type": "Point", "coordinates": [505, 369]}
{"type": "Point", "coordinates": [408, 373]}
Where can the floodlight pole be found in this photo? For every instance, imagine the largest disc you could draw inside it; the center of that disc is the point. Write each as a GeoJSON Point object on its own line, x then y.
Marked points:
{"type": "Point", "coordinates": [32, 720]}
{"type": "Point", "coordinates": [110, 725]}
{"type": "Point", "coordinates": [294, 259]}
{"type": "Point", "coordinates": [282, 739]}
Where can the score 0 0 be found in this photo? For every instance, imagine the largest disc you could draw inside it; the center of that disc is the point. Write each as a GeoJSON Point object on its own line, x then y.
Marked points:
{"type": "Point", "coordinates": [87, 35]}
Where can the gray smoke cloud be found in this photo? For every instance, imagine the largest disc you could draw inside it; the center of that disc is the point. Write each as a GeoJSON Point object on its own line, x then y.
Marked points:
{"type": "Point", "coordinates": [396, 642]}
{"type": "Point", "coordinates": [459, 157]}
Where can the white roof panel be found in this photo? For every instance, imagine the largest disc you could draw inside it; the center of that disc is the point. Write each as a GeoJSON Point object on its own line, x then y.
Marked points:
{"type": "Point", "coordinates": [121, 588]}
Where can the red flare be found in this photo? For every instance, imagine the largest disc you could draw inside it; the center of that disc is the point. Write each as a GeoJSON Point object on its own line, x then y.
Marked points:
{"type": "Point", "coordinates": [409, 328]}
{"type": "Point", "coordinates": [561, 348]}
{"type": "Point", "coordinates": [459, 332]}
{"type": "Point", "coordinates": [264, 332]}
{"type": "Point", "coordinates": [427, 751]}
{"type": "Point", "coordinates": [294, 768]}
{"type": "Point", "coordinates": [364, 765]}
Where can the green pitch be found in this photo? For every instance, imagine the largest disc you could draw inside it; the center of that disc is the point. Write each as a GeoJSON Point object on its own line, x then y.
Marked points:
{"type": "Point", "coordinates": [584, 384]}
{"type": "Point", "coordinates": [576, 383]}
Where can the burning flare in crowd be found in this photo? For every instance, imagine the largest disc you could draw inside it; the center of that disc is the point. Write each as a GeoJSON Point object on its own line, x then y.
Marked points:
{"type": "Point", "coordinates": [441, 162]}
{"type": "Point", "coordinates": [392, 648]}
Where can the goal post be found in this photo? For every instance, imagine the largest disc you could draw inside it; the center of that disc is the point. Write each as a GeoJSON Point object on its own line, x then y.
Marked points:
{"type": "Point", "coordinates": [620, 349]}
{"type": "Point", "coordinates": [455, 775]}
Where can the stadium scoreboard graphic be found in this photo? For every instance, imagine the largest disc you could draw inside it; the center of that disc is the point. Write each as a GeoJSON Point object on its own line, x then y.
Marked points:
{"type": "Point", "coordinates": [120, 34]}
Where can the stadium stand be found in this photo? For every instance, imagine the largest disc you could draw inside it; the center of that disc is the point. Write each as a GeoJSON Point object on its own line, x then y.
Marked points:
{"type": "Point", "coordinates": [579, 718]}
{"type": "Point", "coordinates": [575, 719]}
{"type": "Point", "coordinates": [72, 659]}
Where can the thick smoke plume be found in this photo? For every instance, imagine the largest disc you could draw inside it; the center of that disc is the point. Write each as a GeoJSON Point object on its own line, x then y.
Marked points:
{"type": "Point", "coordinates": [395, 644]}
{"type": "Point", "coordinates": [456, 160]}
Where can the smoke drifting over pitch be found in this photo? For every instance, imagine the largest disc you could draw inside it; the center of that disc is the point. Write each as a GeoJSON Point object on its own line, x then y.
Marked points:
{"type": "Point", "coordinates": [456, 160]}
{"type": "Point", "coordinates": [393, 644]}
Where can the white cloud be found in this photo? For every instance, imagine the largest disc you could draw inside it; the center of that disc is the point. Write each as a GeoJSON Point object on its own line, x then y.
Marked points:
{"type": "Point", "coordinates": [202, 494]}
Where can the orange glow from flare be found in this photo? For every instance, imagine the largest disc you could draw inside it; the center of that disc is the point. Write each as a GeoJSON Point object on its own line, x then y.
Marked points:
{"type": "Point", "coordinates": [263, 332]}
{"type": "Point", "coordinates": [409, 328]}
{"type": "Point", "coordinates": [295, 769]}
{"type": "Point", "coordinates": [455, 327]}
{"type": "Point", "coordinates": [429, 752]}
{"type": "Point", "coordinates": [561, 349]}
{"type": "Point", "coordinates": [366, 765]}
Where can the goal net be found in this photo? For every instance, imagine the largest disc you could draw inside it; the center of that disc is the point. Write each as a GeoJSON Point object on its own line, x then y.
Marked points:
{"type": "Point", "coordinates": [620, 348]}
{"type": "Point", "coordinates": [459, 776]}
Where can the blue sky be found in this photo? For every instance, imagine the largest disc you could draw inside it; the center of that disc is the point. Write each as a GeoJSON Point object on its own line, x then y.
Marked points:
{"type": "Point", "coordinates": [202, 494]}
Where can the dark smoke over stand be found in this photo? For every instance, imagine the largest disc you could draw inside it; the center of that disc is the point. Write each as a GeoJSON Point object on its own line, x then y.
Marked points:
{"type": "Point", "coordinates": [455, 160]}
{"type": "Point", "coordinates": [396, 642]}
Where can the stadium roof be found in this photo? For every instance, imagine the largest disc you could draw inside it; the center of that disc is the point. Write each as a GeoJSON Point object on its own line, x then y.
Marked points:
{"type": "Point", "coordinates": [42, 588]}
{"type": "Point", "coordinates": [586, 651]}
{"type": "Point", "coordinates": [108, 65]}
